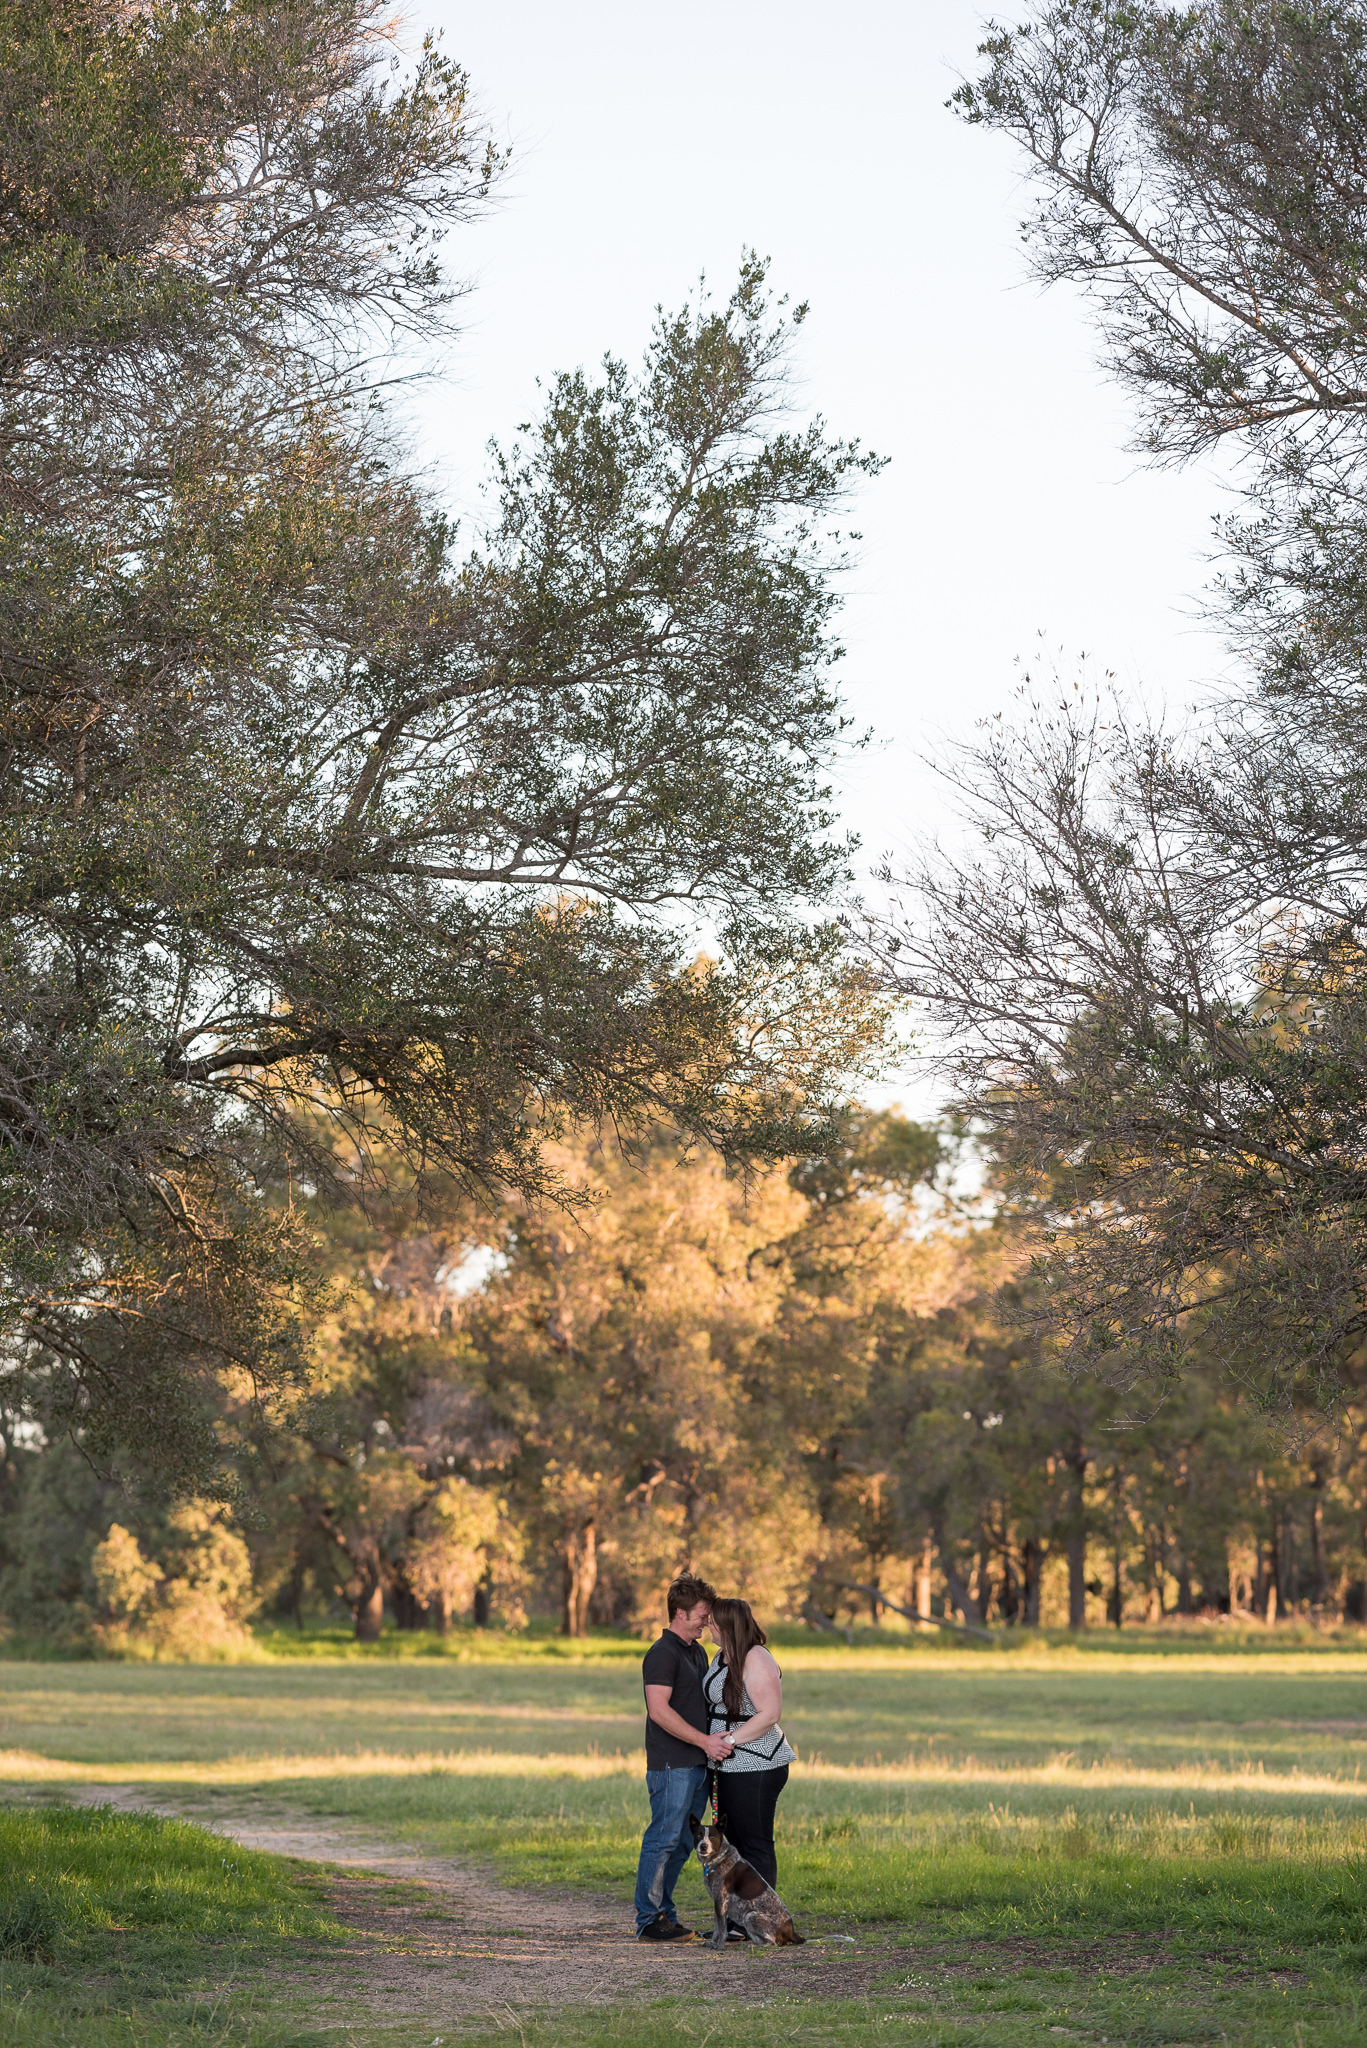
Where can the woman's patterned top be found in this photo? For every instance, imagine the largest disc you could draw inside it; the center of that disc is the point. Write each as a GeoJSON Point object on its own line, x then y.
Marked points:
{"type": "Point", "coordinates": [767, 1752]}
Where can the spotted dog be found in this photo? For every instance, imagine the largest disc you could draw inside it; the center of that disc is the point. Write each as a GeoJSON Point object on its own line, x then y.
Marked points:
{"type": "Point", "coordinates": [738, 1892]}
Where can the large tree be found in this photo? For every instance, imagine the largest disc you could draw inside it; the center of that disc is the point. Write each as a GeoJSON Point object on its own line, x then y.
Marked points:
{"type": "Point", "coordinates": [313, 826]}
{"type": "Point", "coordinates": [1151, 968]}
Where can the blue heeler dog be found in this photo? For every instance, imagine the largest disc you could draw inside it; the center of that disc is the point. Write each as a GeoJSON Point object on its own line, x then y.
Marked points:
{"type": "Point", "coordinates": [739, 1894]}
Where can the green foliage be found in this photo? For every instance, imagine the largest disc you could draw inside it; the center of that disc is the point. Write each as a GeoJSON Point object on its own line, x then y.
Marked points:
{"type": "Point", "coordinates": [329, 850]}
{"type": "Point", "coordinates": [876, 1152]}
{"type": "Point", "coordinates": [654, 1381]}
{"type": "Point", "coordinates": [806, 1384]}
{"type": "Point", "coordinates": [56, 1510]}
{"type": "Point", "coordinates": [74, 1575]}
{"type": "Point", "coordinates": [193, 1608]}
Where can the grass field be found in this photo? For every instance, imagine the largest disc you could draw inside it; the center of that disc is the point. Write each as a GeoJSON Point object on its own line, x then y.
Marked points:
{"type": "Point", "coordinates": [1133, 1844]}
{"type": "Point", "coordinates": [107, 1920]}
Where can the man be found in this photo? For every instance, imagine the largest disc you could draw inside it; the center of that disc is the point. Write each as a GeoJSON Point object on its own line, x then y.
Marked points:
{"type": "Point", "coordinates": [678, 1751]}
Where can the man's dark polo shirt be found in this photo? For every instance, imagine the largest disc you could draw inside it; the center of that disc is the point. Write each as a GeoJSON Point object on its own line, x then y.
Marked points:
{"type": "Point", "coordinates": [682, 1667]}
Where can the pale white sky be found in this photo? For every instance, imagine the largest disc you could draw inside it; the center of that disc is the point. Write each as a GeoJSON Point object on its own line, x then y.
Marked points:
{"type": "Point", "coordinates": [651, 143]}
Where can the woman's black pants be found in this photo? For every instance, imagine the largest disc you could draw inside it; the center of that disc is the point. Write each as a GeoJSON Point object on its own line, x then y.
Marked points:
{"type": "Point", "coordinates": [745, 1809]}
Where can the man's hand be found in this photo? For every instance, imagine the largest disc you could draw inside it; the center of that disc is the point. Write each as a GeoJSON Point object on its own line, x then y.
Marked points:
{"type": "Point", "coordinates": [716, 1748]}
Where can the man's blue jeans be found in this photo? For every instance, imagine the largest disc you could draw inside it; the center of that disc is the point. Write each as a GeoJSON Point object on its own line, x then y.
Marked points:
{"type": "Point", "coordinates": [667, 1843]}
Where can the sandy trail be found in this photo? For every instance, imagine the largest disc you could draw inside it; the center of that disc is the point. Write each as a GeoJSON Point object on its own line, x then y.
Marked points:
{"type": "Point", "coordinates": [449, 1941]}
{"type": "Point", "coordinates": [441, 1942]}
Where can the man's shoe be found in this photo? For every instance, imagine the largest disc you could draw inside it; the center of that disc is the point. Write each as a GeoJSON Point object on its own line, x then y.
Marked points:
{"type": "Point", "coordinates": [736, 1934]}
{"type": "Point", "coordinates": [661, 1928]}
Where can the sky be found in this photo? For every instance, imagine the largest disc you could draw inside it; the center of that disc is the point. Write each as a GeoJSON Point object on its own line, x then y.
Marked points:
{"type": "Point", "coordinates": [651, 144]}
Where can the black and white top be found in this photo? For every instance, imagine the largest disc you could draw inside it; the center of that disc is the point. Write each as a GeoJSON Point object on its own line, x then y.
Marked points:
{"type": "Point", "coordinates": [767, 1752]}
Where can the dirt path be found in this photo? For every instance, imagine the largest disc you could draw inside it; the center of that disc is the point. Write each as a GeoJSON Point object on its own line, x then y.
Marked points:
{"type": "Point", "coordinates": [440, 1941]}
{"type": "Point", "coordinates": [448, 1940]}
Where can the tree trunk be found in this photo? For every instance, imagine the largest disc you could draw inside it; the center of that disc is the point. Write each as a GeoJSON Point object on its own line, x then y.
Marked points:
{"type": "Point", "coordinates": [369, 1609]}
{"type": "Point", "coordinates": [1010, 1603]}
{"type": "Point", "coordinates": [959, 1596]}
{"type": "Point", "coordinates": [1186, 1599]}
{"type": "Point", "coordinates": [1319, 1569]}
{"type": "Point", "coordinates": [922, 1600]}
{"type": "Point", "coordinates": [439, 1613]}
{"type": "Point", "coordinates": [481, 1607]}
{"type": "Point", "coordinates": [1077, 1538]}
{"type": "Point", "coordinates": [1242, 1590]}
{"type": "Point", "coordinates": [364, 1588]}
{"type": "Point", "coordinates": [1272, 1576]}
{"type": "Point", "coordinates": [580, 1571]}
{"type": "Point", "coordinates": [1289, 1588]}
{"type": "Point", "coordinates": [409, 1611]}
{"type": "Point", "coordinates": [1154, 1554]}
{"type": "Point", "coordinates": [984, 1579]}
{"type": "Point", "coordinates": [1116, 1603]}
{"type": "Point", "coordinates": [1277, 1568]}
{"type": "Point", "coordinates": [1032, 1560]}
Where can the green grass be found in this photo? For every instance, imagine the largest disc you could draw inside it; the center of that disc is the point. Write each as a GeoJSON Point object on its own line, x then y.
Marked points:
{"type": "Point", "coordinates": [1299, 1708]}
{"type": "Point", "coordinates": [1065, 1843]}
{"type": "Point", "coordinates": [873, 1854]}
{"type": "Point", "coordinates": [122, 1927]}
{"type": "Point", "coordinates": [1029, 2009]}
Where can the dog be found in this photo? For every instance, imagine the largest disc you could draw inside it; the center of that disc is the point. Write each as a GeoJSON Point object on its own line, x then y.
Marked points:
{"type": "Point", "coordinates": [739, 1894]}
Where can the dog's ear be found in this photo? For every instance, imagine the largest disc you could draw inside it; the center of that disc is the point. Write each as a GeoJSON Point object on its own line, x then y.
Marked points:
{"type": "Point", "coordinates": [696, 1826]}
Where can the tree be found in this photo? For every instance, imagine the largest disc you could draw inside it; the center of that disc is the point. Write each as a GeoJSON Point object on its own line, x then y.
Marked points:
{"type": "Point", "coordinates": [1152, 968]}
{"type": "Point", "coordinates": [194, 1609]}
{"type": "Point", "coordinates": [462, 1535]}
{"type": "Point", "coordinates": [313, 828]}
{"type": "Point", "coordinates": [636, 1357]}
{"type": "Point", "coordinates": [380, 1483]}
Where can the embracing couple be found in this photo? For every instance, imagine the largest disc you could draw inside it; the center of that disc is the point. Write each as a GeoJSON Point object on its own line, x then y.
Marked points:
{"type": "Point", "coordinates": [719, 1718]}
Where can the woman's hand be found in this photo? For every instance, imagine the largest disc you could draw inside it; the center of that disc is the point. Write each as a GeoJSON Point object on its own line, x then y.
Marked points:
{"type": "Point", "coordinates": [764, 1684]}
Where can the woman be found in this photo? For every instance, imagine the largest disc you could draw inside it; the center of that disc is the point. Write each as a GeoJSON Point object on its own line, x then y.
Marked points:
{"type": "Point", "coordinates": [744, 1692]}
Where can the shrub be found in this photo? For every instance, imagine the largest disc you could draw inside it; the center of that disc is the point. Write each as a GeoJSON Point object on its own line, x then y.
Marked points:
{"type": "Point", "coordinates": [194, 1608]}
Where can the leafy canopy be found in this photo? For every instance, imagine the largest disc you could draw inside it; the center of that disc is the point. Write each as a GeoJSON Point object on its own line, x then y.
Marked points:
{"type": "Point", "coordinates": [318, 828]}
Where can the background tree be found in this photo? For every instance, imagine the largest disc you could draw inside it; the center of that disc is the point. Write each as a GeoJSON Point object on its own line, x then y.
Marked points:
{"type": "Point", "coordinates": [1151, 970]}
{"type": "Point", "coordinates": [313, 828]}
{"type": "Point", "coordinates": [379, 1483]}
{"type": "Point", "coordinates": [634, 1357]}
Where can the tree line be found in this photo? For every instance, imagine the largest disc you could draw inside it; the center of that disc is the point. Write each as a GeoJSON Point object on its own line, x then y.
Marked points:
{"type": "Point", "coordinates": [806, 1387]}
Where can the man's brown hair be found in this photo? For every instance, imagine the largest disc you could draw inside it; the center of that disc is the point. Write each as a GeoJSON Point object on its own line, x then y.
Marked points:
{"type": "Point", "coordinates": [686, 1592]}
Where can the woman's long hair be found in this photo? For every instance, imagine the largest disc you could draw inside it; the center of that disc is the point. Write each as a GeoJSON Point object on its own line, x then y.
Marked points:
{"type": "Point", "coordinates": [739, 1633]}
